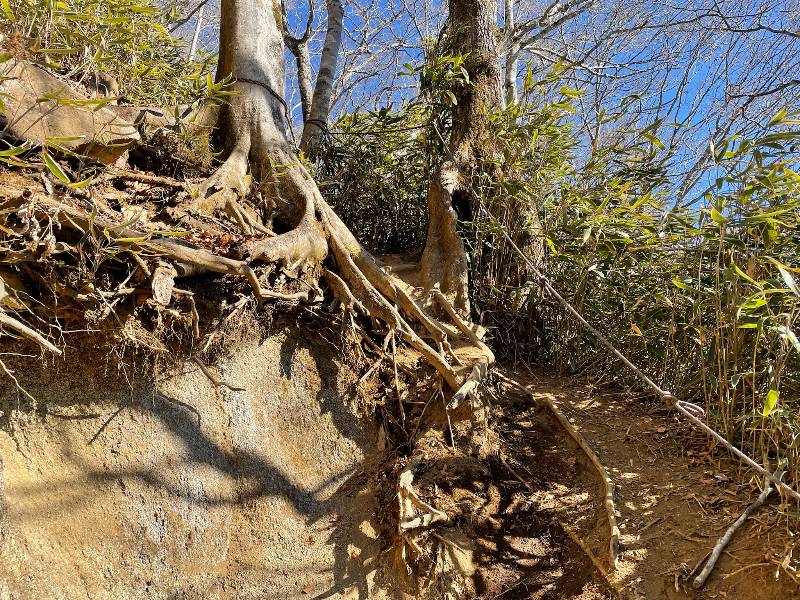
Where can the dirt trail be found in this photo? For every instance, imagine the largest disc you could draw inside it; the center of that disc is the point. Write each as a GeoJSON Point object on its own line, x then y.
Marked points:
{"type": "Point", "coordinates": [674, 499]}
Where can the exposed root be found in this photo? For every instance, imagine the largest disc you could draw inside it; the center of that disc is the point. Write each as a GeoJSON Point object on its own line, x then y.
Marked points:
{"type": "Point", "coordinates": [27, 332]}
{"type": "Point", "coordinates": [341, 292]}
{"type": "Point", "coordinates": [608, 485]}
{"type": "Point", "coordinates": [213, 379]}
{"type": "Point", "coordinates": [591, 556]}
{"type": "Point", "coordinates": [198, 260]}
{"type": "Point", "coordinates": [156, 180]}
{"type": "Point", "coordinates": [462, 325]}
{"type": "Point", "coordinates": [228, 183]}
{"type": "Point", "coordinates": [360, 282]}
{"type": "Point", "coordinates": [415, 512]}
{"type": "Point", "coordinates": [347, 251]}
{"type": "Point", "coordinates": [303, 244]}
{"type": "Point", "coordinates": [469, 388]}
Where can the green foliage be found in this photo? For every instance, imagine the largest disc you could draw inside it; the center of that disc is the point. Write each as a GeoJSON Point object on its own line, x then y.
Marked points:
{"type": "Point", "coordinates": [92, 40]}
{"type": "Point", "coordinates": [703, 296]}
{"type": "Point", "coordinates": [377, 165]}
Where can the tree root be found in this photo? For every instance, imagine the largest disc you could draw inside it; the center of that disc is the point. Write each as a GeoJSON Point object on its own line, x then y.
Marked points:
{"type": "Point", "coordinates": [157, 180]}
{"type": "Point", "coordinates": [341, 292]}
{"type": "Point", "coordinates": [608, 485]}
{"type": "Point", "coordinates": [414, 512]}
{"type": "Point", "coordinates": [481, 368]}
{"type": "Point", "coordinates": [590, 555]}
{"type": "Point", "coordinates": [213, 379]}
{"type": "Point", "coordinates": [359, 283]}
{"type": "Point", "coordinates": [27, 332]}
{"type": "Point", "coordinates": [302, 245]}
{"type": "Point", "coordinates": [226, 185]}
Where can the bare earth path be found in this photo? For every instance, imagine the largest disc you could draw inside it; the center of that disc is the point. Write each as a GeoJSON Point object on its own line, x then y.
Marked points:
{"type": "Point", "coordinates": [674, 499]}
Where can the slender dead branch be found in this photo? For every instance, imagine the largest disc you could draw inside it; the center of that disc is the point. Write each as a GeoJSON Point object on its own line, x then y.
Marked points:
{"type": "Point", "coordinates": [148, 179]}
{"type": "Point", "coordinates": [608, 485]}
{"type": "Point", "coordinates": [721, 544]}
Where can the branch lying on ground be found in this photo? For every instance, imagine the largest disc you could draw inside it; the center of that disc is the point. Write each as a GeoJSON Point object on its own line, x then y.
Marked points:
{"type": "Point", "coordinates": [700, 580]}
{"type": "Point", "coordinates": [608, 485]}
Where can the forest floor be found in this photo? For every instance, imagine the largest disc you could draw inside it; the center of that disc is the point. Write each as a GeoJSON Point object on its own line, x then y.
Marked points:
{"type": "Point", "coordinates": [674, 499]}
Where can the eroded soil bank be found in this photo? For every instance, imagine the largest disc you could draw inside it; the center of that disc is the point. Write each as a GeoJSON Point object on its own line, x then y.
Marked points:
{"type": "Point", "coordinates": [119, 486]}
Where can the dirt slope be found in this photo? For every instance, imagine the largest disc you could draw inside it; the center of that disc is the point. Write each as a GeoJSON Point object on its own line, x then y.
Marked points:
{"type": "Point", "coordinates": [117, 486]}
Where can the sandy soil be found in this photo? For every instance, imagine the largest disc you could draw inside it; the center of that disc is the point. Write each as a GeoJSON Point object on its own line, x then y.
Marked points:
{"type": "Point", "coordinates": [116, 486]}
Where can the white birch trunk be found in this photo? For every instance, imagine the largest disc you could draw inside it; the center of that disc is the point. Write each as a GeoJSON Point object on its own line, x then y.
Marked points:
{"type": "Point", "coordinates": [317, 122]}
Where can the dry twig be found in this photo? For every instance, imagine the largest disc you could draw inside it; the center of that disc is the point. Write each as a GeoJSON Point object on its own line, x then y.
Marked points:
{"type": "Point", "coordinates": [700, 580]}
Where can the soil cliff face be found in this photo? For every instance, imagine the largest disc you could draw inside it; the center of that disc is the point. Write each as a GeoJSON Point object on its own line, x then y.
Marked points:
{"type": "Point", "coordinates": [116, 485]}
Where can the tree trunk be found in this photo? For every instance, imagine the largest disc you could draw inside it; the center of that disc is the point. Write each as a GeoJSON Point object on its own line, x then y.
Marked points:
{"type": "Point", "coordinates": [251, 52]}
{"type": "Point", "coordinates": [256, 126]}
{"type": "Point", "coordinates": [298, 46]}
{"type": "Point", "coordinates": [472, 31]}
{"type": "Point", "coordinates": [302, 57]}
{"type": "Point", "coordinates": [197, 27]}
{"type": "Point", "coordinates": [512, 53]}
{"type": "Point", "coordinates": [316, 124]}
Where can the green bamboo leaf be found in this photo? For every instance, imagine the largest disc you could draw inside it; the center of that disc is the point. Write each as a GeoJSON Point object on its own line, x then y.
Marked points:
{"type": "Point", "coordinates": [7, 10]}
{"type": "Point", "coordinates": [789, 335]}
{"type": "Point", "coordinates": [788, 278]}
{"type": "Point", "coordinates": [16, 150]}
{"type": "Point", "coordinates": [54, 167]}
{"type": "Point", "coordinates": [717, 216]}
{"type": "Point", "coordinates": [745, 276]}
{"type": "Point", "coordinates": [679, 284]}
{"type": "Point", "coordinates": [778, 118]}
{"type": "Point", "coordinates": [81, 184]}
{"type": "Point", "coordinates": [657, 142]}
{"type": "Point", "coordinates": [129, 240]}
{"type": "Point", "coordinates": [770, 402]}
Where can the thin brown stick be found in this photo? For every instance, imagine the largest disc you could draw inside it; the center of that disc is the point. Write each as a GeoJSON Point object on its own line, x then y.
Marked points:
{"type": "Point", "coordinates": [149, 179]}
{"type": "Point", "coordinates": [397, 385]}
{"type": "Point", "coordinates": [700, 580]}
{"type": "Point", "coordinates": [591, 555]}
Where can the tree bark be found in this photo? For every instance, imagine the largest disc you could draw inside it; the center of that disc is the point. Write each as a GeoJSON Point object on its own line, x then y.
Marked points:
{"type": "Point", "coordinates": [302, 57]}
{"type": "Point", "coordinates": [254, 124]}
{"type": "Point", "coordinates": [471, 31]}
{"type": "Point", "coordinates": [197, 27]}
{"type": "Point", "coordinates": [299, 49]}
{"type": "Point", "coordinates": [512, 54]}
{"type": "Point", "coordinates": [251, 52]}
{"type": "Point", "coordinates": [316, 124]}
